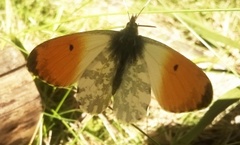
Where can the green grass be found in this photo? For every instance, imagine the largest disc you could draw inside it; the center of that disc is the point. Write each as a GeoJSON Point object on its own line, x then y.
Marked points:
{"type": "Point", "coordinates": [208, 29]}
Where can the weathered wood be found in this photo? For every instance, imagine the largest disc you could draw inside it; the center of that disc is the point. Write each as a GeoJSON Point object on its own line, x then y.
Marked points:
{"type": "Point", "coordinates": [20, 103]}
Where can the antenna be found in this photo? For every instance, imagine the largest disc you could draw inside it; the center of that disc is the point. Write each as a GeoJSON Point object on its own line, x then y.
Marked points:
{"type": "Point", "coordinates": [143, 8]}
{"type": "Point", "coordinates": [126, 7]}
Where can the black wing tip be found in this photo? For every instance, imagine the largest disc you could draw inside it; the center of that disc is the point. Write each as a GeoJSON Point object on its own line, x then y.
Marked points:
{"type": "Point", "coordinates": [206, 97]}
{"type": "Point", "coordinates": [204, 102]}
{"type": "Point", "coordinates": [32, 62]}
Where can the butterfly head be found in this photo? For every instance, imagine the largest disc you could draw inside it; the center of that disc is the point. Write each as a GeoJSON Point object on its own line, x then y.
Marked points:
{"type": "Point", "coordinates": [132, 27]}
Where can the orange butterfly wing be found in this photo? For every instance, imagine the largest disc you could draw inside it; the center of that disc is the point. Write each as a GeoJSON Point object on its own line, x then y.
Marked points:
{"type": "Point", "coordinates": [177, 83]}
{"type": "Point", "coordinates": [61, 61]}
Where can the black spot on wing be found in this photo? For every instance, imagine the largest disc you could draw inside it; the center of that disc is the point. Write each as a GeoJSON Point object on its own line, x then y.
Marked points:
{"type": "Point", "coordinates": [71, 47]}
{"type": "Point", "coordinates": [175, 67]}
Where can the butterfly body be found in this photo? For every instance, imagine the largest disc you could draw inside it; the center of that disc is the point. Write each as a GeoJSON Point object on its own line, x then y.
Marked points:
{"type": "Point", "coordinates": [124, 65]}
{"type": "Point", "coordinates": [126, 46]}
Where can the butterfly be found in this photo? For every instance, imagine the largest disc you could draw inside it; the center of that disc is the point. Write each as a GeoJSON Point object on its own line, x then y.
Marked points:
{"type": "Point", "coordinates": [123, 65]}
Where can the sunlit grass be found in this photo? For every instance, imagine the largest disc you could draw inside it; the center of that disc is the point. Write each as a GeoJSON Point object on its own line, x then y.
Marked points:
{"type": "Point", "coordinates": [210, 28]}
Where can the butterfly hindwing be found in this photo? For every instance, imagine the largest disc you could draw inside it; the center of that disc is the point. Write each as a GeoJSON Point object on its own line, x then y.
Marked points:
{"type": "Point", "coordinates": [133, 96]}
{"type": "Point", "coordinates": [95, 84]}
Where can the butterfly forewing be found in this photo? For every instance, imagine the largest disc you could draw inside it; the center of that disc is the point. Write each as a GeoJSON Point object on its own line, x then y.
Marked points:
{"type": "Point", "coordinates": [62, 60]}
{"type": "Point", "coordinates": [177, 83]}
